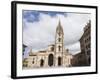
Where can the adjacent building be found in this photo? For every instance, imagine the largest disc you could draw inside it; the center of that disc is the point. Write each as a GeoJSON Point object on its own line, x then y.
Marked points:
{"type": "Point", "coordinates": [79, 60]}
{"type": "Point", "coordinates": [84, 57]}
{"type": "Point", "coordinates": [85, 42]}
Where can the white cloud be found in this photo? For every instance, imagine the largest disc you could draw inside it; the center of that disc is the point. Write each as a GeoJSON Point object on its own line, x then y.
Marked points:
{"type": "Point", "coordinates": [74, 48]}
{"type": "Point", "coordinates": [39, 35]}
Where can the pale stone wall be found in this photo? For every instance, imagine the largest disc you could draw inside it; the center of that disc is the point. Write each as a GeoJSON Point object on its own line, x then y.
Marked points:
{"type": "Point", "coordinates": [32, 61]}
{"type": "Point", "coordinates": [42, 56]}
{"type": "Point", "coordinates": [66, 59]}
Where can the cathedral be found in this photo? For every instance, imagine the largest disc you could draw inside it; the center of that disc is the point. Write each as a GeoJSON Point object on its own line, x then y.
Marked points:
{"type": "Point", "coordinates": [55, 56]}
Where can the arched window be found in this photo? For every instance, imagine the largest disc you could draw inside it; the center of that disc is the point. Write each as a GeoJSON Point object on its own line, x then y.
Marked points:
{"type": "Point", "coordinates": [59, 34]}
{"type": "Point", "coordinates": [41, 62]}
{"type": "Point", "coordinates": [59, 39]}
{"type": "Point", "coordinates": [59, 48]}
{"type": "Point", "coordinates": [52, 48]}
{"type": "Point", "coordinates": [59, 61]}
{"type": "Point", "coordinates": [33, 61]}
{"type": "Point", "coordinates": [50, 60]}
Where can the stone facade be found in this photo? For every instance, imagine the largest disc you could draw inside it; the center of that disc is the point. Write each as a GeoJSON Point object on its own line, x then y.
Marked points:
{"type": "Point", "coordinates": [85, 43]}
{"type": "Point", "coordinates": [79, 60]}
{"type": "Point", "coordinates": [55, 56]}
{"type": "Point", "coordinates": [84, 57]}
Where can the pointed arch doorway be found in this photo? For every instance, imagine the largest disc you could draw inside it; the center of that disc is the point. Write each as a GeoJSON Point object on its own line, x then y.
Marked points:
{"type": "Point", "coordinates": [59, 61]}
{"type": "Point", "coordinates": [50, 59]}
{"type": "Point", "coordinates": [41, 62]}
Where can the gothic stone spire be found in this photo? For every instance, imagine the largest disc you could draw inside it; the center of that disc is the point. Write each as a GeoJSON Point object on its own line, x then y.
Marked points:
{"type": "Point", "coordinates": [59, 28]}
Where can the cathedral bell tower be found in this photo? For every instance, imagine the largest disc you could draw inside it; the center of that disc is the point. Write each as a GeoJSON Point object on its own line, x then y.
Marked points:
{"type": "Point", "coordinates": [59, 44]}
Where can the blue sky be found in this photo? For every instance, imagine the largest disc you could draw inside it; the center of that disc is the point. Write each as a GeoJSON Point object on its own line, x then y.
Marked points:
{"type": "Point", "coordinates": [39, 28]}
{"type": "Point", "coordinates": [33, 16]}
